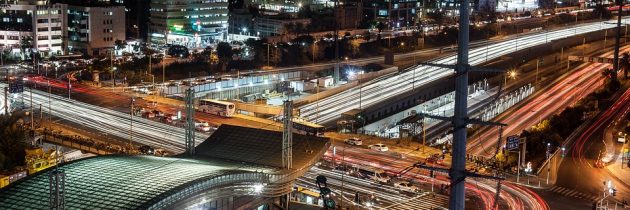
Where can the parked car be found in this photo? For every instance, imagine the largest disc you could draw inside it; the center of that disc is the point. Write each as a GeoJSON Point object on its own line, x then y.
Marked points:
{"type": "Point", "coordinates": [201, 123]}
{"type": "Point", "coordinates": [203, 128]}
{"type": "Point", "coordinates": [621, 137]}
{"type": "Point", "coordinates": [158, 113]}
{"type": "Point", "coordinates": [166, 119]}
{"type": "Point", "coordinates": [406, 186]}
{"type": "Point", "coordinates": [148, 115]}
{"type": "Point", "coordinates": [379, 147]}
{"type": "Point", "coordinates": [354, 141]}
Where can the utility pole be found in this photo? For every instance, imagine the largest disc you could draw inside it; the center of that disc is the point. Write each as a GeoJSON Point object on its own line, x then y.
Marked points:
{"type": "Point", "coordinates": [32, 117]}
{"type": "Point", "coordinates": [287, 135]}
{"type": "Point", "coordinates": [458, 169]}
{"type": "Point", "coordinates": [133, 99]}
{"type": "Point", "coordinates": [336, 37]}
{"type": "Point", "coordinates": [190, 124]}
{"type": "Point", "coordinates": [6, 100]}
{"type": "Point", "coordinates": [49, 104]}
{"type": "Point", "coordinates": [617, 37]}
{"type": "Point", "coordinates": [150, 67]}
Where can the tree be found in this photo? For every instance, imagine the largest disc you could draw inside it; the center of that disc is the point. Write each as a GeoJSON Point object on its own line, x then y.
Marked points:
{"type": "Point", "coordinates": [26, 44]}
{"type": "Point", "coordinates": [224, 52]}
{"type": "Point", "coordinates": [367, 36]}
{"type": "Point", "coordinates": [120, 44]}
{"type": "Point", "coordinates": [12, 142]}
{"type": "Point", "coordinates": [437, 17]}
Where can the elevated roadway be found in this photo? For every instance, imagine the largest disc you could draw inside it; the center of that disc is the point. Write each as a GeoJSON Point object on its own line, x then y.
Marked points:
{"type": "Point", "coordinates": [385, 88]}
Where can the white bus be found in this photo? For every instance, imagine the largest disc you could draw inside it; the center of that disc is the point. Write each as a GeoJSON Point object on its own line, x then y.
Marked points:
{"type": "Point", "coordinates": [221, 108]}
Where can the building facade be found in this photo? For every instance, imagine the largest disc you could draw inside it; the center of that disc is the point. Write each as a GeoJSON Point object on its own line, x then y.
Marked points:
{"type": "Point", "coordinates": [94, 30]}
{"type": "Point", "coordinates": [395, 13]}
{"type": "Point", "coordinates": [192, 23]}
{"type": "Point", "coordinates": [32, 27]}
{"type": "Point", "coordinates": [276, 26]}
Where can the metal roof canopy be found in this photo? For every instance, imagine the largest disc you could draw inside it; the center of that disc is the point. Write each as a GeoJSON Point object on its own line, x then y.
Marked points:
{"type": "Point", "coordinates": [261, 147]}
{"type": "Point", "coordinates": [233, 156]}
{"type": "Point", "coordinates": [121, 182]}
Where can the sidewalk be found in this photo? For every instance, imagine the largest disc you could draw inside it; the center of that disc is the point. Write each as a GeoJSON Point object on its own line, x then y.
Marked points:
{"type": "Point", "coordinates": [619, 171]}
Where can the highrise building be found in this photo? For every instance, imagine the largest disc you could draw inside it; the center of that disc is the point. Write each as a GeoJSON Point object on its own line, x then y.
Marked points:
{"type": "Point", "coordinates": [33, 27]}
{"type": "Point", "coordinates": [192, 23]}
{"type": "Point", "coordinates": [94, 30]}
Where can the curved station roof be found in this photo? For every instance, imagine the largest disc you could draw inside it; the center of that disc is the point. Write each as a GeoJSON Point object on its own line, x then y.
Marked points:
{"type": "Point", "coordinates": [148, 182]}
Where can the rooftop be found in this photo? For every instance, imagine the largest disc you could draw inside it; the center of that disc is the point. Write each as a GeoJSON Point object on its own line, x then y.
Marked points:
{"type": "Point", "coordinates": [259, 146]}
{"type": "Point", "coordinates": [233, 156]}
{"type": "Point", "coordinates": [116, 182]}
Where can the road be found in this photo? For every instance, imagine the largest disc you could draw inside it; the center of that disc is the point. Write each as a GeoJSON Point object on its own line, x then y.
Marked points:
{"type": "Point", "coordinates": [379, 90]}
{"type": "Point", "coordinates": [564, 92]}
{"type": "Point", "coordinates": [585, 150]}
{"type": "Point", "coordinates": [481, 192]}
{"type": "Point", "coordinates": [112, 122]}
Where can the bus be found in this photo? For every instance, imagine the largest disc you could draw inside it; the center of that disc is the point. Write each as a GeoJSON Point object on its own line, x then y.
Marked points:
{"type": "Point", "coordinates": [307, 128]}
{"type": "Point", "coordinates": [220, 108]}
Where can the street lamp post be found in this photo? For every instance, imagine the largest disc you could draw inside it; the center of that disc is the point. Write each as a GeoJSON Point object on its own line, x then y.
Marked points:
{"type": "Point", "coordinates": [113, 79]}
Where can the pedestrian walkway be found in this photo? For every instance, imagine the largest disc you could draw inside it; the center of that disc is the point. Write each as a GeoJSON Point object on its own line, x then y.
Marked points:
{"type": "Point", "coordinates": [428, 202]}
{"type": "Point", "coordinates": [572, 193]}
{"type": "Point", "coordinates": [618, 169]}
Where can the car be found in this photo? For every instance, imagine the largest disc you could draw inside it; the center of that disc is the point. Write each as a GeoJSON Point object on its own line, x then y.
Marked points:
{"type": "Point", "coordinates": [166, 119]}
{"type": "Point", "coordinates": [201, 123]}
{"type": "Point", "coordinates": [158, 113]}
{"type": "Point", "coordinates": [406, 186]}
{"type": "Point", "coordinates": [203, 128]}
{"type": "Point", "coordinates": [354, 141]}
{"type": "Point", "coordinates": [148, 115]}
{"type": "Point", "coordinates": [379, 147]}
{"type": "Point", "coordinates": [599, 164]}
{"type": "Point", "coordinates": [621, 137]}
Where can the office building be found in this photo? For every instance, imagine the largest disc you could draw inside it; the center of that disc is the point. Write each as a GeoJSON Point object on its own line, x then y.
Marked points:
{"type": "Point", "coordinates": [192, 23]}
{"type": "Point", "coordinates": [94, 30]}
{"type": "Point", "coordinates": [33, 26]}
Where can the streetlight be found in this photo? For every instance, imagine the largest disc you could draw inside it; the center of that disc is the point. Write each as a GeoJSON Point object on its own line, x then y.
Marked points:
{"type": "Point", "coordinates": [511, 74]}
{"type": "Point", "coordinates": [113, 79]}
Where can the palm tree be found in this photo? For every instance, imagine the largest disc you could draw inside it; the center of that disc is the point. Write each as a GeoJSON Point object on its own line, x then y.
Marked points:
{"type": "Point", "coordinates": [26, 43]}
{"type": "Point", "coordinates": [12, 142]}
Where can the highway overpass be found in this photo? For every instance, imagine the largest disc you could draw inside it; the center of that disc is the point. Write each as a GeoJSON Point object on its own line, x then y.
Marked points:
{"type": "Point", "coordinates": [386, 89]}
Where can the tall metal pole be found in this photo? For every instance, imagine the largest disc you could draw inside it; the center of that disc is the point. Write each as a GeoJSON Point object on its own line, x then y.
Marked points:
{"type": "Point", "coordinates": [617, 36]}
{"type": "Point", "coordinates": [131, 126]}
{"type": "Point", "coordinates": [190, 124]}
{"type": "Point", "coordinates": [49, 104]}
{"type": "Point", "coordinates": [6, 100]}
{"type": "Point", "coordinates": [32, 117]}
{"type": "Point", "coordinates": [458, 164]}
{"type": "Point", "coordinates": [336, 75]}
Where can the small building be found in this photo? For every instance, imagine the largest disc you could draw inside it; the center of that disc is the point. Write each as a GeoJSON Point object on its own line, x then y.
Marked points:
{"type": "Point", "coordinates": [277, 25]}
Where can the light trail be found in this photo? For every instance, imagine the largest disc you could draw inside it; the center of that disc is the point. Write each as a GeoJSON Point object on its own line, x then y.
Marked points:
{"type": "Point", "coordinates": [563, 93]}
{"type": "Point", "coordinates": [104, 120]}
{"type": "Point", "coordinates": [330, 108]}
